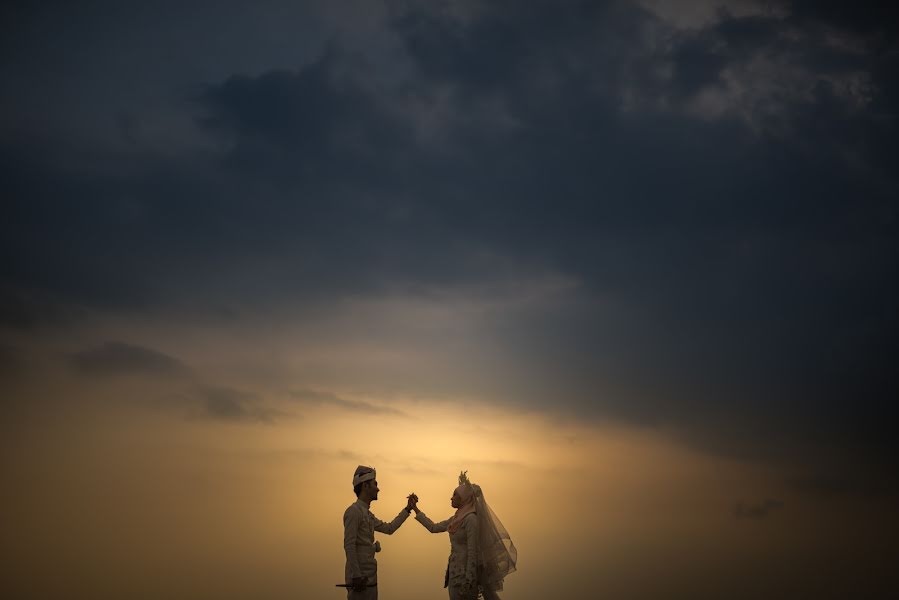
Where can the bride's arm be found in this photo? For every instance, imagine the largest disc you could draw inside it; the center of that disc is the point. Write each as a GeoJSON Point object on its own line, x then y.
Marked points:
{"type": "Point", "coordinates": [431, 525]}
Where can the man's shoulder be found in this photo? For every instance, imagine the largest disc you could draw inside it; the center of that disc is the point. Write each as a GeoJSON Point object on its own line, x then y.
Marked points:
{"type": "Point", "coordinates": [353, 508]}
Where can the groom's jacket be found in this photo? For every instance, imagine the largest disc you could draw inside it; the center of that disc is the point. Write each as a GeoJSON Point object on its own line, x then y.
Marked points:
{"type": "Point", "coordinates": [359, 527]}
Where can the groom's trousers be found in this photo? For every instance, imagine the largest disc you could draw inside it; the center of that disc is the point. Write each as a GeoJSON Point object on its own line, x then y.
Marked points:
{"type": "Point", "coordinates": [366, 594]}
{"type": "Point", "coordinates": [368, 565]}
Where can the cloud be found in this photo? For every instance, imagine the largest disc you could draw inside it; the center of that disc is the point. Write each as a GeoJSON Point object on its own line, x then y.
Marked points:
{"type": "Point", "coordinates": [9, 360]}
{"type": "Point", "coordinates": [303, 454]}
{"type": "Point", "coordinates": [760, 510]}
{"type": "Point", "coordinates": [721, 193]}
{"type": "Point", "coordinates": [230, 404]}
{"type": "Point", "coordinates": [119, 358]}
{"type": "Point", "coordinates": [823, 486]}
{"type": "Point", "coordinates": [701, 269]}
{"type": "Point", "coordinates": [319, 398]}
{"type": "Point", "coordinates": [25, 311]}
{"type": "Point", "coordinates": [15, 311]}
{"type": "Point", "coordinates": [697, 13]}
{"type": "Point", "coordinates": [867, 17]}
{"type": "Point", "coordinates": [835, 485]}
{"type": "Point", "coordinates": [348, 455]}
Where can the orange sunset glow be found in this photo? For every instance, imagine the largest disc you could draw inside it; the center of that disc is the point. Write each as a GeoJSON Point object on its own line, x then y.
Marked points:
{"type": "Point", "coordinates": [118, 491]}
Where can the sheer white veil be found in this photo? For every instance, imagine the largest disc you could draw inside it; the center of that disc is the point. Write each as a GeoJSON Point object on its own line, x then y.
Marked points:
{"type": "Point", "coordinates": [498, 553]}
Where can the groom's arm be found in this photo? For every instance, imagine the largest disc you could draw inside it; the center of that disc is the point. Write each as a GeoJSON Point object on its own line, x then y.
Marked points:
{"type": "Point", "coordinates": [388, 528]}
{"type": "Point", "coordinates": [351, 520]}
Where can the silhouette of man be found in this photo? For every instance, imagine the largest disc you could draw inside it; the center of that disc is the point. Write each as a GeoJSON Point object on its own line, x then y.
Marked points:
{"type": "Point", "coordinates": [359, 526]}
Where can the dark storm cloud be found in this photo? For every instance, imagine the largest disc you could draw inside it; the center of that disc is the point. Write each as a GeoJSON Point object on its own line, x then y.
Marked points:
{"type": "Point", "coordinates": [723, 195]}
{"type": "Point", "coordinates": [867, 17]}
{"type": "Point", "coordinates": [119, 358]}
{"type": "Point", "coordinates": [319, 119]}
{"type": "Point", "coordinates": [318, 398]}
{"type": "Point", "coordinates": [750, 254]}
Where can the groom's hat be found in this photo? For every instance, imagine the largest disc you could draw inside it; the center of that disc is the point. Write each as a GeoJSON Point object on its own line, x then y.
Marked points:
{"type": "Point", "coordinates": [363, 474]}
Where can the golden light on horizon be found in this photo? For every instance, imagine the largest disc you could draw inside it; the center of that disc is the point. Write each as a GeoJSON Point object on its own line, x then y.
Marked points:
{"type": "Point", "coordinates": [119, 491]}
{"type": "Point", "coordinates": [202, 508]}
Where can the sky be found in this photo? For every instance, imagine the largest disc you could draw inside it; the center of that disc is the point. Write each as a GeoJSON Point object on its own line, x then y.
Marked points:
{"type": "Point", "coordinates": [631, 264]}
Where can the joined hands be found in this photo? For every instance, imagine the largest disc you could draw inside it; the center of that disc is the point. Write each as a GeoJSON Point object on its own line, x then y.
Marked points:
{"type": "Point", "coordinates": [413, 503]}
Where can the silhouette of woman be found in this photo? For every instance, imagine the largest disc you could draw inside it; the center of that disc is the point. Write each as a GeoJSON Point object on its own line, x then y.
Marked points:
{"type": "Point", "coordinates": [481, 551]}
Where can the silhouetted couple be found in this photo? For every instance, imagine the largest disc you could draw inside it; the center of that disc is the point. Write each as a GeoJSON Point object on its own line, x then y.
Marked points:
{"type": "Point", "coordinates": [481, 552]}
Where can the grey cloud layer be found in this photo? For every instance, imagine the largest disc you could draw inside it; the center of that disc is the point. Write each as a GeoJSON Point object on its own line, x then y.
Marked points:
{"type": "Point", "coordinates": [190, 395]}
{"type": "Point", "coordinates": [119, 358]}
{"type": "Point", "coordinates": [229, 404]}
{"type": "Point", "coordinates": [316, 397]}
{"type": "Point", "coordinates": [723, 195]}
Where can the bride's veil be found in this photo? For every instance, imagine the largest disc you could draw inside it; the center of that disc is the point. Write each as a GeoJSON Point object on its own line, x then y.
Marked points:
{"type": "Point", "coordinates": [498, 553]}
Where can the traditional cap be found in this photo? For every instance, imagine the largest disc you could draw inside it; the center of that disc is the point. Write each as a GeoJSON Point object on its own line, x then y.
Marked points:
{"type": "Point", "coordinates": [363, 474]}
